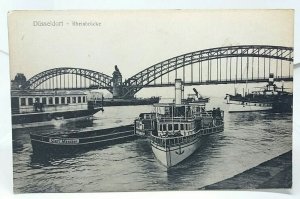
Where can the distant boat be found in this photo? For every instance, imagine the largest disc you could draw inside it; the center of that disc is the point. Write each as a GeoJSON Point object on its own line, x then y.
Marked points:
{"type": "Point", "coordinates": [130, 101]}
{"type": "Point", "coordinates": [196, 98]}
{"type": "Point", "coordinates": [42, 107]}
{"type": "Point", "coordinates": [269, 97]}
{"type": "Point", "coordinates": [176, 129]}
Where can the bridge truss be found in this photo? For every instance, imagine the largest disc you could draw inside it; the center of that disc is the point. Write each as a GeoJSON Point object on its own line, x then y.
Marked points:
{"type": "Point", "coordinates": [69, 78]}
{"type": "Point", "coordinates": [231, 64]}
{"type": "Point", "coordinates": [223, 65]}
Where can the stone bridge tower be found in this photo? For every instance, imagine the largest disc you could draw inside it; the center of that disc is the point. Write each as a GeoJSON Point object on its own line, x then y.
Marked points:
{"type": "Point", "coordinates": [117, 83]}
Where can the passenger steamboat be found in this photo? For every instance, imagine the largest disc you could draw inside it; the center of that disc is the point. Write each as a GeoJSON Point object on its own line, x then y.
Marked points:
{"type": "Point", "coordinates": [176, 129]}
{"type": "Point", "coordinates": [267, 98]}
{"type": "Point", "coordinates": [41, 107]}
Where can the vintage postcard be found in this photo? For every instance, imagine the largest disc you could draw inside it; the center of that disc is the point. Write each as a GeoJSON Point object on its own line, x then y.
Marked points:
{"type": "Point", "coordinates": [151, 100]}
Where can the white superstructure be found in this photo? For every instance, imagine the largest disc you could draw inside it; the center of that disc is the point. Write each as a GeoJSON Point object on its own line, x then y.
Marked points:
{"type": "Point", "coordinates": [180, 127]}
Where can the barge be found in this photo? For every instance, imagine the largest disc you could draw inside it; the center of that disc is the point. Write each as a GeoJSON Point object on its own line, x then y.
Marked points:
{"type": "Point", "coordinates": [66, 142]}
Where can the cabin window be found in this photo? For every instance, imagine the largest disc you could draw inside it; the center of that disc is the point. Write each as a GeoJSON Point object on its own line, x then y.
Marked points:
{"type": "Point", "coordinates": [23, 101]}
{"type": "Point", "coordinates": [181, 127]}
{"type": "Point", "coordinates": [50, 100]}
{"type": "Point", "coordinates": [37, 100]}
{"type": "Point", "coordinates": [164, 127]}
{"type": "Point", "coordinates": [44, 100]}
{"type": "Point", "coordinates": [62, 100]}
{"type": "Point", "coordinates": [176, 127]}
{"type": "Point", "coordinates": [83, 99]}
{"type": "Point", "coordinates": [160, 127]}
{"type": "Point", "coordinates": [56, 100]}
{"type": "Point", "coordinates": [68, 100]}
{"type": "Point", "coordinates": [30, 101]}
{"type": "Point", "coordinates": [170, 127]}
{"type": "Point", "coordinates": [73, 99]}
{"type": "Point", "coordinates": [186, 127]}
{"type": "Point", "coordinates": [79, 99]}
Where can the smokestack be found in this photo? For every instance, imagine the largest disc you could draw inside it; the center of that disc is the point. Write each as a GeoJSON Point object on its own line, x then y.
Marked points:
{"type": "Point", "coordinates": [196, 92]}
{"type": "Point", "coordinates": [178, 91]}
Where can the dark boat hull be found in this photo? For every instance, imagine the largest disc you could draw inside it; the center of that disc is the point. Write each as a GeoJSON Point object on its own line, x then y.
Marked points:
{"type": "Point", "coordinates": [48, 116]}
{"type": "Point", "coordinates": [81, 141]}
{"type": "Point", "coordinates": [130, 102]}
{"type": "Point", "coordinates": [282, 106]}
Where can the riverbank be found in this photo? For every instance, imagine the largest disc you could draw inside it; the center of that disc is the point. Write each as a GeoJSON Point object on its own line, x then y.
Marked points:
{"type": "Point", "coordinates": [274, 173]}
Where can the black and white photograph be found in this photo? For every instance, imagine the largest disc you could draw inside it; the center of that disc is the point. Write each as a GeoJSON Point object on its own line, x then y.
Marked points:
{"type": "Point", "coordinates": [151, 100]}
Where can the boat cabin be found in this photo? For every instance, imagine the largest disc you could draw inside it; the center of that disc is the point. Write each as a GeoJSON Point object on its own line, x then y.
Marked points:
{"type": "Point", "coordinates": [177, 119]}
{"type": "Point", "coordinates": [145, 123]}
{"type": "Point", "coordinates": [47, 101]}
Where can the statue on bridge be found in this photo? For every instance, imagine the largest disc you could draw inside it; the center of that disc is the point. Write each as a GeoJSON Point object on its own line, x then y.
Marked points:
{"type": "Point", "coordinates": [19, 80]}
{"type": "Point", "coordinates": [116, 74]}
{"type": "Point", "coordinates": [117, 69]}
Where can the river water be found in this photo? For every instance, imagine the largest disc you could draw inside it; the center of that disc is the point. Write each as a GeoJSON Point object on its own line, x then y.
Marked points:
{"type": "Point", "coordinates": [248, 140]}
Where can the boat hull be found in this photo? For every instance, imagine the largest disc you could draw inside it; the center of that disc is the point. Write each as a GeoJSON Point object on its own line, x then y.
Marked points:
{"type": "Point", "coordinates": [171, 156]}
{"type": "Point", "coordinates": [130, 102]}
{"type": "Point", "coordinates": [249, 107]}
{"type": "Point", "coordinates": [60, 145]}
{"type": "Point", "coordinates": [42, 117]}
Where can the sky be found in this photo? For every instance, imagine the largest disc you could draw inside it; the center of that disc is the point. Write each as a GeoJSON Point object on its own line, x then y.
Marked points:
{"type": "Point", "coordinates": [135, 40]}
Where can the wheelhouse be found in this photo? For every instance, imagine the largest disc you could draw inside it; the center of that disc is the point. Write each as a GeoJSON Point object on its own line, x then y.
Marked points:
{"type": "Point", "coordinates": [174, 119]}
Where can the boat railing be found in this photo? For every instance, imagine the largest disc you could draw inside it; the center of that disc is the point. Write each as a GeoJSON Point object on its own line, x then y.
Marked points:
{"type": "Point", "coordinates": [206, 114]}
{"type": "Point", "coordinates": [180, 140]}
{"type": "Point", "coordinates": [176, 119]}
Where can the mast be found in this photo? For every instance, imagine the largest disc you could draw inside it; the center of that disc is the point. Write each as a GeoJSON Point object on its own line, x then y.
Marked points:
{"type": "Point", "coordinates": [247, 77]}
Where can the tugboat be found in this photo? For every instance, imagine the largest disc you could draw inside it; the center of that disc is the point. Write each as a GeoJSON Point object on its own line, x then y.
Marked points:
{"type": "Point", "coordinates": [196, 98]}
{"type": "Point", "coordinates": [268, 98]}
{"type": "Point", "coordinates": [179, 127]}
{"type": "Point", "coordinates": [41, 107]}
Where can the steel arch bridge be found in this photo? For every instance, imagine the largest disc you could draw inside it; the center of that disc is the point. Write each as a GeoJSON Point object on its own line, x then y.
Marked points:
{"type": "Point", "coordinates": [223, 65]}
{"type": "Point", "coordinates": [57, 75]}
{"type": "Point", "coordinates": [214, 74]}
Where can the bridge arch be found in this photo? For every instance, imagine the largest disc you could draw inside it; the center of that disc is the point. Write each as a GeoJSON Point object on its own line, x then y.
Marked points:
{"type": "Point", "coordinates": [143, 78]}
{"type": "Point", "coordinates": [98, 79]}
